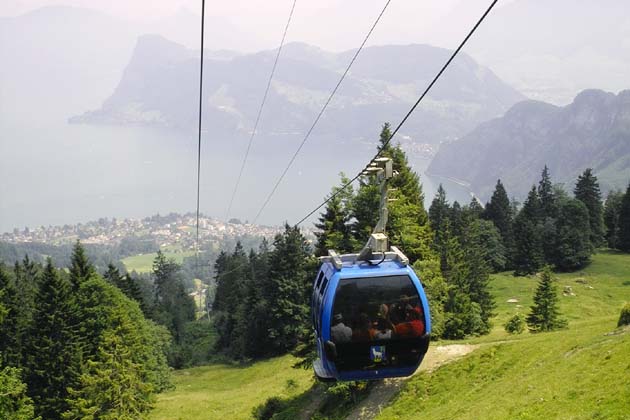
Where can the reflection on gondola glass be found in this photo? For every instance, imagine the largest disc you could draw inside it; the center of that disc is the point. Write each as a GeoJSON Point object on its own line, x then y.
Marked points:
{"type": "Point", "coordinates": [376, 322]}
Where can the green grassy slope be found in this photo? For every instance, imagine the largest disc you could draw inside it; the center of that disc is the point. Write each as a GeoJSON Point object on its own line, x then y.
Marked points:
{"type": "Point", "coordinates": [229, 392]}
{"type": "Point", "coordinates": [143, 263]}
{"type": "Point", "coordinates": [582, 372]}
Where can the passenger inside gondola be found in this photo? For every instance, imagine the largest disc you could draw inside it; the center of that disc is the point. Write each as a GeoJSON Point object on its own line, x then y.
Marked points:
{"type": "Point", "coordinates": [340, 332]}
{"type": "Point", "coordinates": [361, 331]}
{"type": "Point", "coordinates": [413, 325]}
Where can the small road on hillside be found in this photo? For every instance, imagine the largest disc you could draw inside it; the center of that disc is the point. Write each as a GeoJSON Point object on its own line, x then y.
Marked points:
{"type": "Point", "coordinates": [384, 391]}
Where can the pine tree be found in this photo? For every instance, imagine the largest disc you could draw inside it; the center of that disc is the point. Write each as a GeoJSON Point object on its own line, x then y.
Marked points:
{"type": "Point", "coordinates": [573, 246]}
{"type": "Point", "coordinates": [439, 220]}
{"type": "Point", "coordinates": [459, 220]}
{"type": "Point", "coordinates": [173, 307]}
{"type": "Point", "coordinates": [254, 314]}
{"type": "Point", "coordinates": [475, 208]}
{"type": "Point", "coordinates": [623, 241]}
{"type": "Point", "coordinates": [14, 401]}
{"type": "Point", "coordinates": [10, 343]}
{"type": "Point", "coordinates": [528, 252]}
{"type": "Point", "coordinates": [499, 211]}
{"type": "Point", "coordinates": [476, 258]}
{"type": "Point", "coordinates": [128, 285]}
{"type": "Point", "coordinates": [81, 269]}
{"type": "Point", "coordinates": [488, 238]}
{"type": "Point", "coordinates": [544, 315]}
{"type": "Point", "coordinates": [611, 217]}
{"type": "Point", "coordinates": [439, 211]}
{"type": "Point", "coordinates": [587, 191]}
{"type": "Point", "coordinates": [112, 388]}
{"type": "Point", "coordinates": [233, 276]}
{"type": "Point", "coordinates": [52, 354]}
{"type": "Point", "coordinates": [408, 221]}
{"type": "Point", "coordinates": [548, 208]}
{"type": "Point", "coordinates": [334, 230]}
{"type": "Point", "coordinates": [287, 290]}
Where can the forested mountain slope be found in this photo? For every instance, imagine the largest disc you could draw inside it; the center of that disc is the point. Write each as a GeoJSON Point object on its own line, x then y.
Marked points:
{"type": "Point", "coordinates": [162, 78]}
{"type": "Point", "coordinates": [593, 131]}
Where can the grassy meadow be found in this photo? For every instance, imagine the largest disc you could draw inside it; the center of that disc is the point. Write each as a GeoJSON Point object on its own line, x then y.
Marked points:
{"type": "Point", "coordinates": [578, 373]}
{"type": "Point", "coordinates": [143, 263]}
{"type": "Point", "coordinates": [230, 392]}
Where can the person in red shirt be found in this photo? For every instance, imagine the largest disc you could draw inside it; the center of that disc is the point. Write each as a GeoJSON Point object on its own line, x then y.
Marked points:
{"type": "Point", "coordinates": [413, 326]}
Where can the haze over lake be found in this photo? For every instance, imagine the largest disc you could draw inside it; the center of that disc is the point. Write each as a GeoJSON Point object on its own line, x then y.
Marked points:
{"type": "Point", "coordinates": [62, 173]}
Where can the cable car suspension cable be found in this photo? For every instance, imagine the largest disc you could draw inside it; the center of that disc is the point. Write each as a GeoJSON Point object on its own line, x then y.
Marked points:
{"type": "Point", "coordinates": [321, 112]}
{"type": "Point", "coordinates": [203, 9]}
{"type": "Point", "coordinates": [262, 105]}
{"type": "Point", "coordinates": [413, 108]}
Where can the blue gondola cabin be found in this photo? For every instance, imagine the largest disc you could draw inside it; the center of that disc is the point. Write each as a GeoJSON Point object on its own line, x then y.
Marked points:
{"type": "Point", "coordinates": [371, 319]}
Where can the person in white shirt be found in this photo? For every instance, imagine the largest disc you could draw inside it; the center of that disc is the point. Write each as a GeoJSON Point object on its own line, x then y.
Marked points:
{"type": "Point", "coordinates": [340, 332]}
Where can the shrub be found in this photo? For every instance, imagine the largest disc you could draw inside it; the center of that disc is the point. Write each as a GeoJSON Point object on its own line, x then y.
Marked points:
{"type": "Point", "coordinates": [270, 407]}
{"type": "Point", "coordinates": [515, 325]}
{"type": "Point", "coordinates": [624, 318]}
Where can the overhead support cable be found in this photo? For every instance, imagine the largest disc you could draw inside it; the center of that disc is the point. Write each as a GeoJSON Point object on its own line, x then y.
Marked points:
{"type": "Point", "coordinates": [321, 112]}
{"type": "Point", "coordinates": [413, 108]}
{"type": "Point", "coordinates": [350, 182]}
{"type": "Point", "coordinates": [260, 110]}
{"type": "Point", "coordinates": [203, 18]}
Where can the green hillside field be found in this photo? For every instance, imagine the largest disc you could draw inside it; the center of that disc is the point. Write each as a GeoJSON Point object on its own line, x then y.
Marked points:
{"type": "Point", "coordinates": [578, 373]}
{"type": "Point", "coordinates": [143, 263]}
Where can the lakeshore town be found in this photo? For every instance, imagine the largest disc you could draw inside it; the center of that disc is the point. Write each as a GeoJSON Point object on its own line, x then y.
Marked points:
{"type": "Point", "coordinates": [165, 230]}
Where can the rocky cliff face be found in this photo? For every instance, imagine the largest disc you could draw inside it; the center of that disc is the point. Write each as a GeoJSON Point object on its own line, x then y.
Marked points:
{"type": "Point", "coordinates": [159, 87]}
{"type": "Point", "coordinates": [593, 131]}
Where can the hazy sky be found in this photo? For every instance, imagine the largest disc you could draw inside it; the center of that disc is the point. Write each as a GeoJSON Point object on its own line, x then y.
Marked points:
{"type": "Point", "coordinates": [331, 24]}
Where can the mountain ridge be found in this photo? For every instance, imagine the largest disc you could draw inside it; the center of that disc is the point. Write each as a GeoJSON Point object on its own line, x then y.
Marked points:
{"type": "Point", "coordinates": [593, 131]}
{"type": "Point", "coordinates": [157, 90]}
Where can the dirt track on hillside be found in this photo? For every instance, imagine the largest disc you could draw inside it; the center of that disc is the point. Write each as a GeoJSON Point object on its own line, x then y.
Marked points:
{"type": "Point", "coordinates": [383, 392]}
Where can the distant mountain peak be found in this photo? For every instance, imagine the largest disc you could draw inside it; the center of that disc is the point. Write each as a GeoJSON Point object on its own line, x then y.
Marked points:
{"type": "Point", "coordinates": [593, 131]}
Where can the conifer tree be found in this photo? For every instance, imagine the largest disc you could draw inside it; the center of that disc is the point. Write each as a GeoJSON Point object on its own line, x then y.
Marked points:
{"type": "Point", "coordinates": [26, 277]}
{"type": "Point", "coordinates": [334, 230]}
{"type": "Point", "coordinates": [52, 355]}
{"type": "Point", "coordinates": [611, 217]}
{"type": "Point", "coordinates": [10, 344]}
{"type": "Point", "coordinates": [439, 211]}
{"type": "Point", "coordinates": [112, 275]}
{"type": "Point", "coordinates": [458, 219]}
{"type": "Point", "coordinates": [488, 239]}
{"type": "Point", "coordinates": [573, 246]}
{"type": "Point", "coordinates": [528, 252]}
{"type": "Point", "coordinates": [287, 290]}
{"type": "Point", "coordinates": [81, 269]}
{"type": "Point", "coordinates": [587, 191]}
{"type": "Point", "coordinates": [254, 319]}
{"type": "Point", "coordinates": [127, 284]}
{"type": "Point", "coordinates": [439, 220]}
{"type": "Point", "coordinates": [548, 208]}
{"type": "Point", "coordinates": [173, 306]}
{"type": "Point", "coordinates": [112, 388]}
{"type": "Point", "coordinates": [544, 314]}
{"type": "Point", "coordinates": [499, 211]}
{"type": "Point", "coordinates": [15, 404]}
{"type": "Point", "coordinates": [476, 258]}
{"type": "Point", "coordinates": [407, 225]}
{"type": "Point", "coordinates": [475, 208]}
{"type": "Point", "coordinates": [232, 278]}
{"type": "Point", "coordinates": [623, 241]}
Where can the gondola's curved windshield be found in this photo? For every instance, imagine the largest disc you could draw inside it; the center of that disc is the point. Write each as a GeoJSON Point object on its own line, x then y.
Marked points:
{"type": "Point", "coordinates": [377, 322]}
